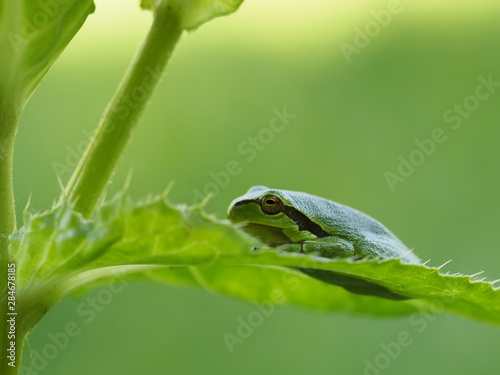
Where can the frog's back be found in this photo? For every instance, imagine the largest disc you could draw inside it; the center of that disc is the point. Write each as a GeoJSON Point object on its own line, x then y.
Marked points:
{"type": "Point", "coordinates": [350, 224]}
{"type": "Point", "coordinates": [343, 220]}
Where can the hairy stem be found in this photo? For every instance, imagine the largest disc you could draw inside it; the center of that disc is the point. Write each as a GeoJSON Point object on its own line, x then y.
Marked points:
{"type": "Point", "coordinates": [124, 111]}
{"type": "Point", "coordinates": [9, 118]}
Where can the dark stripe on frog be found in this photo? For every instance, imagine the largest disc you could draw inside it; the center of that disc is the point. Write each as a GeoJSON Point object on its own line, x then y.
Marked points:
{"type": "Point", "coordinates": [303, 221]}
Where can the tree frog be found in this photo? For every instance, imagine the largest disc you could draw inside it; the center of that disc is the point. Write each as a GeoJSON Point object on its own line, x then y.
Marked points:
{"type": "Point", "coordinates": [299, 222]}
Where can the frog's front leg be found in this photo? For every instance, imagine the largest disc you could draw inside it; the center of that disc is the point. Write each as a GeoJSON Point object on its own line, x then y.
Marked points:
{"type": "Point", "coordinates": [326, 247]}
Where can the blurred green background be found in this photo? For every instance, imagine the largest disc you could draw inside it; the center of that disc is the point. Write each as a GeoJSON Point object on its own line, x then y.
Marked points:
{"type": "Point", "coordinates": [354, 121]}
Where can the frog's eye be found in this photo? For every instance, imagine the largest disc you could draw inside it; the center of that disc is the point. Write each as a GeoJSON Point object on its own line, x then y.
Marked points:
{"type": "Point", "coordinates": [271, 204]}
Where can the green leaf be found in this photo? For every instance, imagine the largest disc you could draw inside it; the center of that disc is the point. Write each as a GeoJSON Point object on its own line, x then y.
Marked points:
{"type": "Point", "coordinates": [182, 245]}
{"type": "Point", "coordinates": [32, 35]}
{"type": "Point", "coordinates": [194, 13]}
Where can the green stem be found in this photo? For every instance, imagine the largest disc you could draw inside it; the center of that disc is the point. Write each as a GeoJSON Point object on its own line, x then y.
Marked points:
{"type": "Point", "coordinates": [123, 113]}
{"type": "Point", "coordinates": [31, 306]}
{"type": "Point", "coordinates": [9, 118]}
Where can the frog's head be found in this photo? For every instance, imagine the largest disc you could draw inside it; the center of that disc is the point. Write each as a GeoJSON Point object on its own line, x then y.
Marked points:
{"type": "Point", "coordinates": [268, 215]}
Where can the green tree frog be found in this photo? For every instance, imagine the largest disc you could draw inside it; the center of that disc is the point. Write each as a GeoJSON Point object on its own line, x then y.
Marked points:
{"type": "Point", "coordinates": [299, 222]}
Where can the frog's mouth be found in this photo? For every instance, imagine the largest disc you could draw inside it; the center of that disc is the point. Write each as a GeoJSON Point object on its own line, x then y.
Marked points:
{"type": "Point", "coordinates": [271, 236]}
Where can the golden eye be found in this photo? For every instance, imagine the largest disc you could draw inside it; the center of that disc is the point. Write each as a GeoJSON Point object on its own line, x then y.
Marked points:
{"type": "Point", "coordinates": [271, 204]}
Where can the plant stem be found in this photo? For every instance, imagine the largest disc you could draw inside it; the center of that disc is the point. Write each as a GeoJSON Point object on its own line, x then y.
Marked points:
{"type": "Point", "coordinates": [124, 111]}
{"type": "Point", "coordinates": [9, 118]}
{"type": "Point", "coordinates": [30, 309]}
